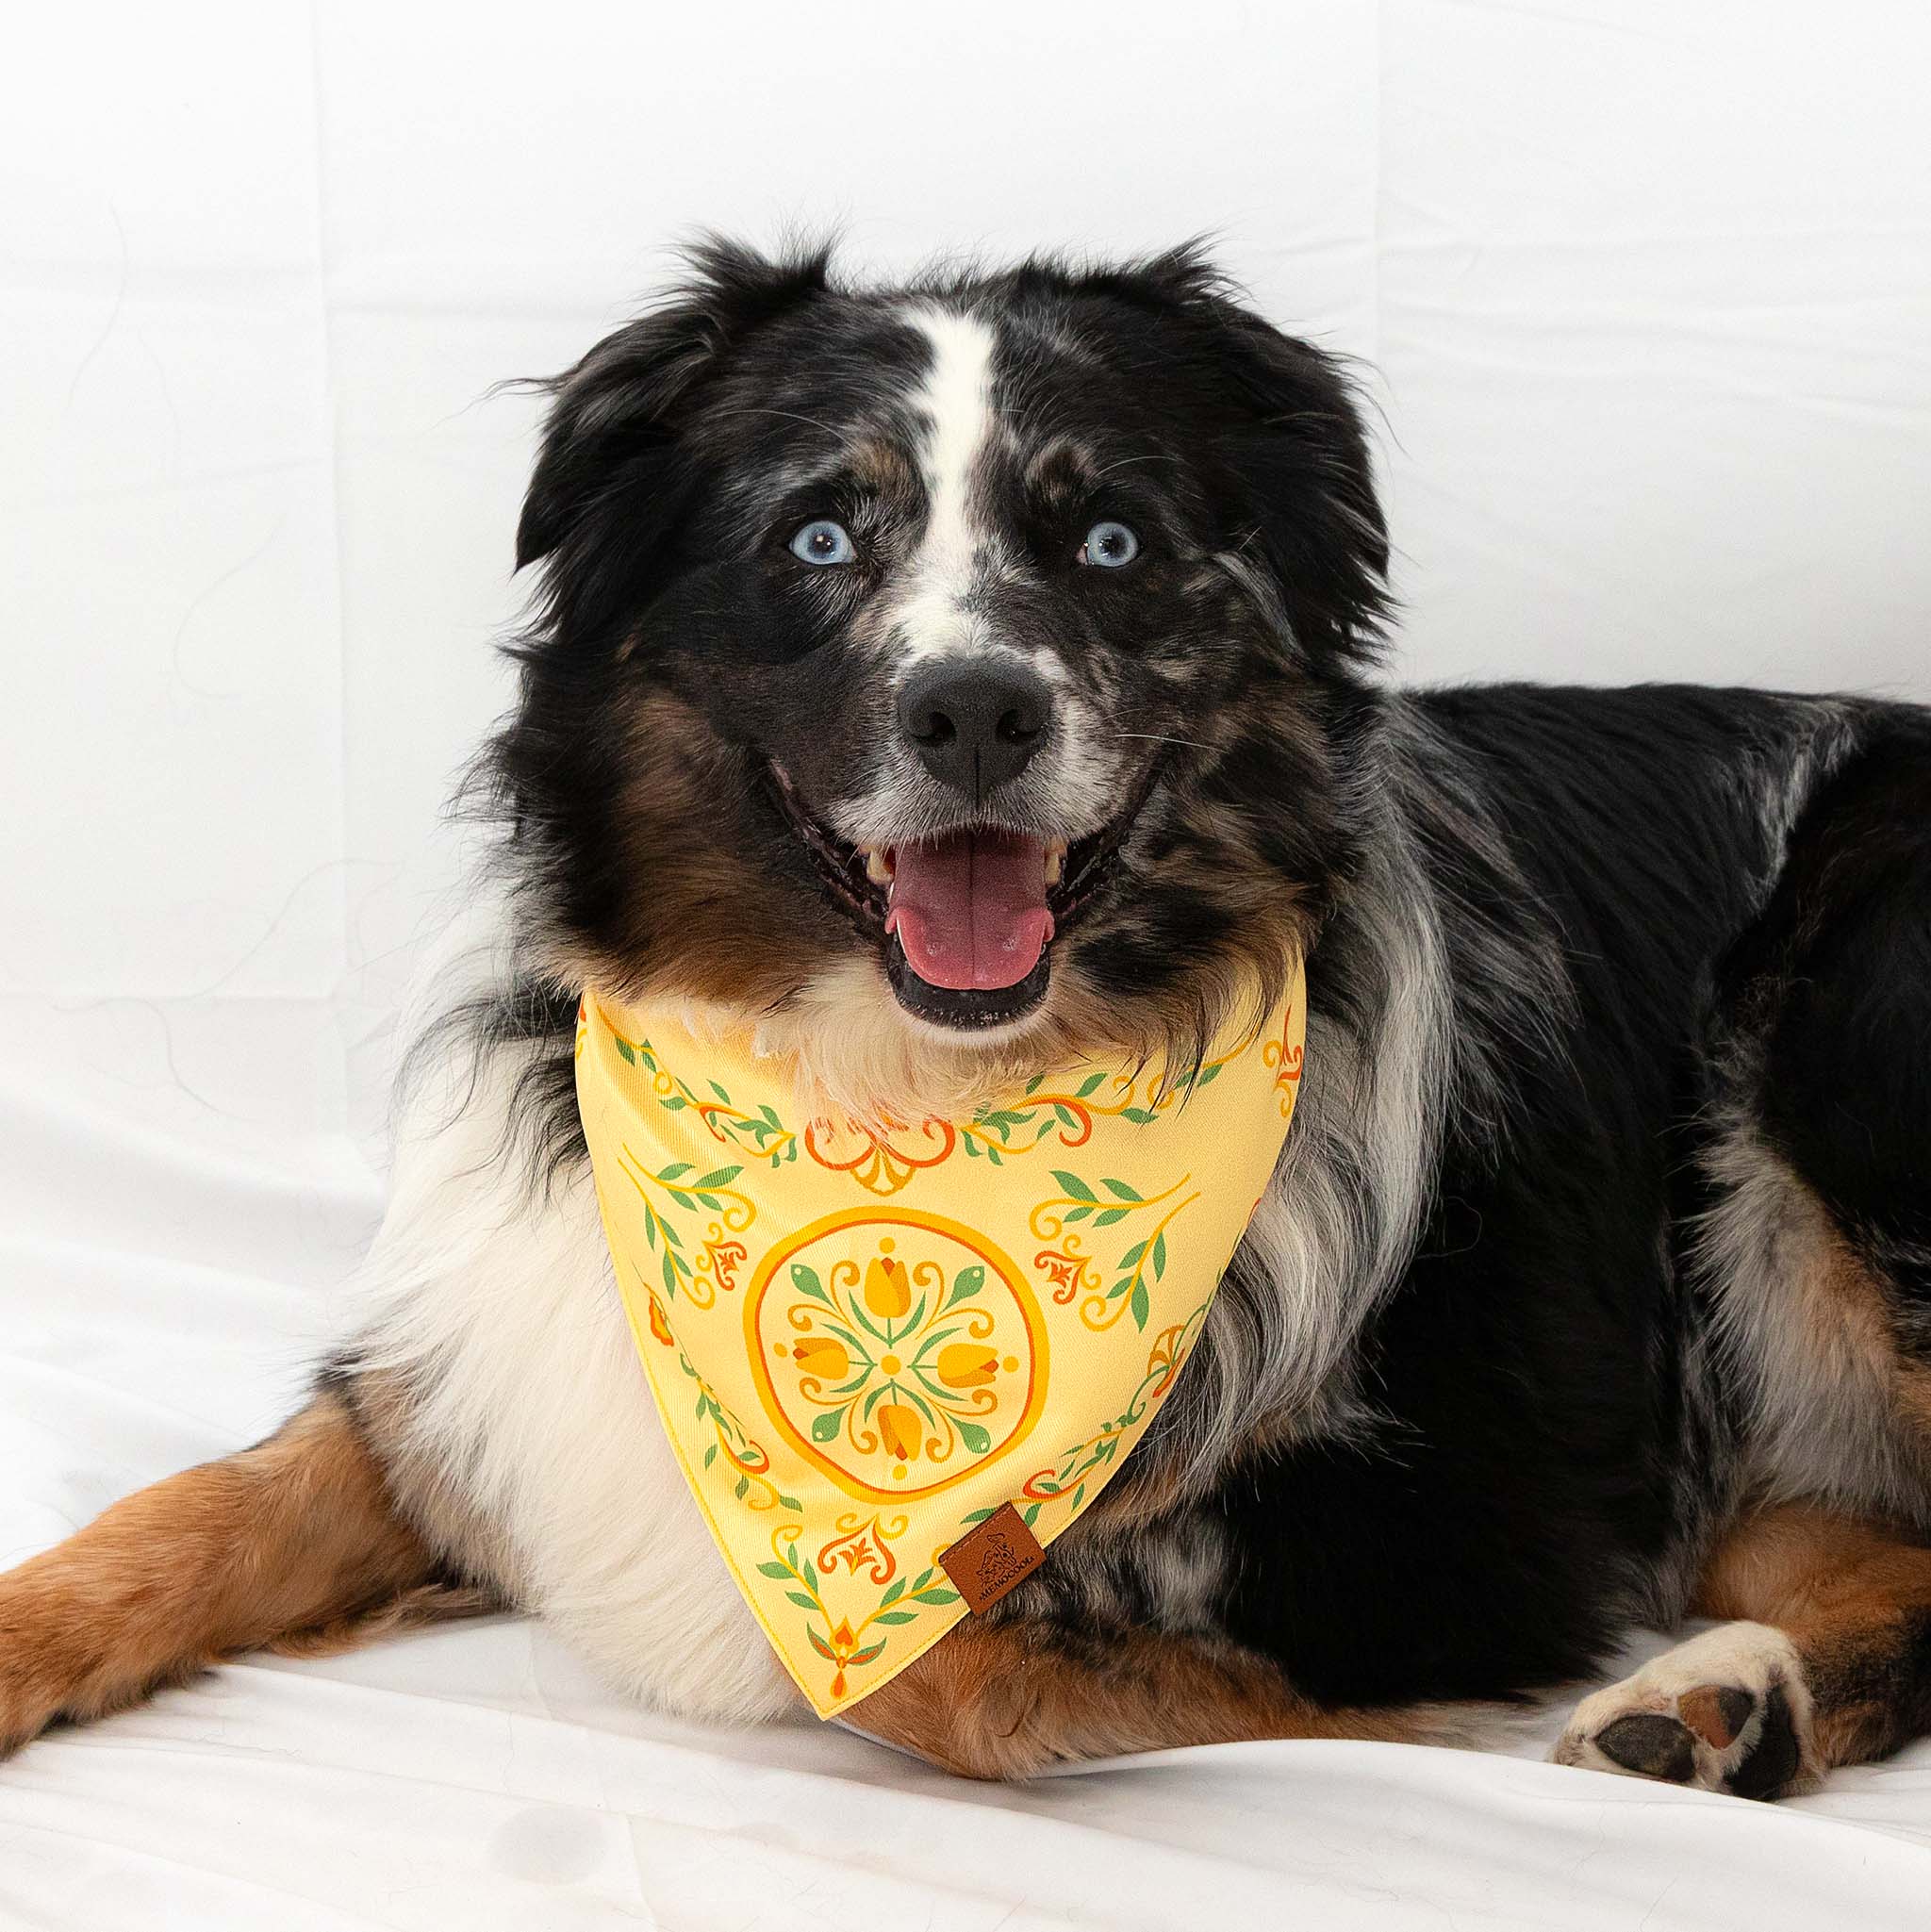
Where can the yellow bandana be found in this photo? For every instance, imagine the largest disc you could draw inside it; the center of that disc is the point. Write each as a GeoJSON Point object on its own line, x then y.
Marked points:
{"type": "Point", "coordinates": [864, 1342]}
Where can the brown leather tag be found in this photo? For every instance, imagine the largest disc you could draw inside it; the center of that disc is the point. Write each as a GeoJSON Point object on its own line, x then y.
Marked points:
{"type": "Point", "coordinates": [997, 1556]}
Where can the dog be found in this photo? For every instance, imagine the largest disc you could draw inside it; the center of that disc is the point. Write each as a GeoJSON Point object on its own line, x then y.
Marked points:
{"type": "Point", "coordinates": [1593, 1285]}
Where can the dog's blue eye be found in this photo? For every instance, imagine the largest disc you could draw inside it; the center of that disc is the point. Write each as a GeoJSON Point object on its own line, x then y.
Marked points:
{"type": "Point", "coordinates": [822, 541]}
{"type": "Point", "coordinates": [1109, 545]}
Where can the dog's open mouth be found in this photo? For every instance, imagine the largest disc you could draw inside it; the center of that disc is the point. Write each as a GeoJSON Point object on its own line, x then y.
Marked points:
{"type": "Point", "coordinates": [967, 919]}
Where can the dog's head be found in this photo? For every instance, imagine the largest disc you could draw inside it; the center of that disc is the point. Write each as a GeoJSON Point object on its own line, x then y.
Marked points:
{"type": "Point", "coordinates": [962, 664]}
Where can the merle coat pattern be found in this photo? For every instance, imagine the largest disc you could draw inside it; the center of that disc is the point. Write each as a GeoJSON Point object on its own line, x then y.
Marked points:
{"type": "Point", "coordinates": [1595, 1280]}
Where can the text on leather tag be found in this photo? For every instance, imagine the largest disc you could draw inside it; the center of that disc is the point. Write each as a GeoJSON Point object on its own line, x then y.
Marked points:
{"type": "Point", "coordinates": [995, 1558]}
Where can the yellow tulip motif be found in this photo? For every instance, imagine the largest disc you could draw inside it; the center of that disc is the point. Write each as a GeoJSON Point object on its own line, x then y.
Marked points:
{"type": "Point", "coordinates": [819, 1355]}
{"type": "Point", "coordinates": [896, 1358]}
{"type": "Point", "coordinates": [887, 1287]}
{"type": "Point", "coordinates": [967, 1364]}
{"type": "Point", "coordinates": [898, 1429]}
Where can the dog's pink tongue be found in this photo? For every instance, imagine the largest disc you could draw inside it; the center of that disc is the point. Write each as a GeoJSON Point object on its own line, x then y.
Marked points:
{"type": "Point", "coordinates": [969, 909]}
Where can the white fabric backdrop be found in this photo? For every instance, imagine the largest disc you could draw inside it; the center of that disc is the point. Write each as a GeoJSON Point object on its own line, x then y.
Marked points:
{"type": "Point", "coordinates": [1648, 289]}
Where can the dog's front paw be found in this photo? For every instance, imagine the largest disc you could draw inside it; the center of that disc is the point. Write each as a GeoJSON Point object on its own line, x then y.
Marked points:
{"type": "Point", "coordinates": [1727, 1712]}
{"type": "Point", "coordinates": [25, 1711]}
{"type": "Point", "coordinates": [45, 1658]}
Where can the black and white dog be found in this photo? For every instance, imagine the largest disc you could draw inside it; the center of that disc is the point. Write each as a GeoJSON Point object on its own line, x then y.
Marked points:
{"type": "Point", "coordinates": [947, 679]}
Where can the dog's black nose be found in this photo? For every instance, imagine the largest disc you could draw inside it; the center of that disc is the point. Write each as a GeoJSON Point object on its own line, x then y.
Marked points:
{"type": "Point", "coordinates": [974, 726]}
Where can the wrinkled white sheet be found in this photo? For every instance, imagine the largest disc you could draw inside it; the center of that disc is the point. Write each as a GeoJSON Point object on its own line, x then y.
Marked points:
{"type": "Point", "coordinates": [160, 1287]}
{"type": "Point", "coordinates": [1648, 287]}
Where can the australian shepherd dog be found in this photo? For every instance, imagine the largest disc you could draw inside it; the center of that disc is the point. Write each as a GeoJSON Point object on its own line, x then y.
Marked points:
{"type": "Point", "coordinates": [945, 680]}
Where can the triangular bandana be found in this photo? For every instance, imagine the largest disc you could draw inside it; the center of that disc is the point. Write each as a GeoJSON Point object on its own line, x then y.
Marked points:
{"type": "Point", "coordinates": [864, 1342]}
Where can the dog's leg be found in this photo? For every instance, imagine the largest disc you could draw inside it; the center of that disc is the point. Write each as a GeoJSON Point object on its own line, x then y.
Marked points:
{"type": "Point", "coordinates": [292, 1543]}
{"type": "Point", "coordinates": [1829, 1664]}
{"type": "Point", "coordinates": [1005, 1700]}
{"type": "Point", "coordinates": [1817, 1246]}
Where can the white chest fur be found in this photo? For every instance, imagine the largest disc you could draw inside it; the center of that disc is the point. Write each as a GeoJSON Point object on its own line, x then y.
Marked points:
{"type": "Point", "coordinates": [497, 1301]}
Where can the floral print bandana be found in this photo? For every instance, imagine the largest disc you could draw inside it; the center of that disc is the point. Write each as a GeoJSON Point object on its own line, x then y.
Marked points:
{"type": "Point", "coordinates": [865, 1341]}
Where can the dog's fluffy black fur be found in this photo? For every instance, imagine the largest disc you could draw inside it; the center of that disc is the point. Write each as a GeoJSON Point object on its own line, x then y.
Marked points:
{"type": "Point", "coordinates": [1645, 921]}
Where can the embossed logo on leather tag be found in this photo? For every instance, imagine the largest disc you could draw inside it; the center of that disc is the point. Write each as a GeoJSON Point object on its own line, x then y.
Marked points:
{"type": "Point", "coordinates": [995, 1558]}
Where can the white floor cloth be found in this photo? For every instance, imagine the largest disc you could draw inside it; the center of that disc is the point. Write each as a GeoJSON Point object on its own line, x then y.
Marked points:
{"type": "Point", "coordinates": [161, 1289]}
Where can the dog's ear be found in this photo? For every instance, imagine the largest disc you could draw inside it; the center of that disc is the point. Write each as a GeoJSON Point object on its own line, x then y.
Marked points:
{"type": "Point", "coordinates": [1295, 460]}
{"type": "Point", "coordinates": [613, 427]}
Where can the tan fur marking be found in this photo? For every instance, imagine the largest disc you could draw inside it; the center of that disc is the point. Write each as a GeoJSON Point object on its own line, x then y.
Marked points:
{"type": "Point", "coordinates": [696, 916]}
{"type": "Point", "coordinates": [291, 1543]}
{"type": "Point", "coordinates": [1842, 1411]}
{"type": "Point", "coordinates": [1913, 1385]}
{"type": "Point", "coordinates": [1853, 1311]}
{"type": "Point", "coordinates": [1848, 1297]}
{"type": "Point", "coordinates": [883, 466]}
{"type": "Point", "coordinates": [991, 1701]}
{"type": "Point", "coordinates": [1845, 1590]}
{"type": "Point", "coordinates": [1703, 1712]}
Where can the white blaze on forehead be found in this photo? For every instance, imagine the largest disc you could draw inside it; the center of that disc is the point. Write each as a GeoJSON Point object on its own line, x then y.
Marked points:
{"type": "Point", "coordinates": [931, 615]}
{"type": "Point", "coordinates": [955, 401]}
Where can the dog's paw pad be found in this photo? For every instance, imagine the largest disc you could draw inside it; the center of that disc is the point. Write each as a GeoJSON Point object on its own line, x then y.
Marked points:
{"type": "Point", "coordinates": [1651, 1746]}
{"type": "Point", "coordinates": [1726, 1711]}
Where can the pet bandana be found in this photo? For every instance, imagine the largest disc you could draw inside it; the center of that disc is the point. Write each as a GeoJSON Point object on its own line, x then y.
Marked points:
{"type": "Point", "coordinates": [896, 1361]}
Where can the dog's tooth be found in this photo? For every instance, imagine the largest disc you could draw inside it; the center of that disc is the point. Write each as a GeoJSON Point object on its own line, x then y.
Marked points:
{"type": "Point", "coordinates": [877, 868]}
{"type": "Point", "coordinates": [1055, 863]}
